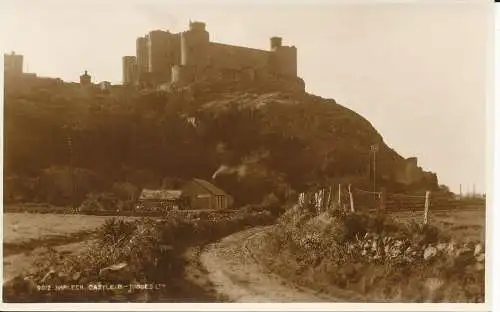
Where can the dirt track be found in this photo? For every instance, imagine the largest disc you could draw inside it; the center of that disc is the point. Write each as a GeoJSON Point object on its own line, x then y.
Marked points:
{"type": "Point", "coordinates": [238, 276]}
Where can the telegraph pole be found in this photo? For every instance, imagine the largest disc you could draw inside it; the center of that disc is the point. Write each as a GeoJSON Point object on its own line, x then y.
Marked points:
{"type": "Point", "coordinates": [72, 171]}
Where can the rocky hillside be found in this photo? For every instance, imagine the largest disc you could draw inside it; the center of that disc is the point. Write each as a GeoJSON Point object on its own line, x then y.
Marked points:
{"type": "Point", "coordinates": [252, 140]}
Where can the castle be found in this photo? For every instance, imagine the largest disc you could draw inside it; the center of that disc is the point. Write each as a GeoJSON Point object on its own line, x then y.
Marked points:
{"type": "Point", "coordinates": [182, 58]}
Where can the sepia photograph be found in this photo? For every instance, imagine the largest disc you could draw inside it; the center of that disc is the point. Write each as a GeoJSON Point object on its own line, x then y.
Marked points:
{"type": "Point", "coordinates": [239, 152]}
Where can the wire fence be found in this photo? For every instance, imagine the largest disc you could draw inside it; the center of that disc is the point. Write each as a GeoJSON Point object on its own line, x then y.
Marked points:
{"type": "Point", "coordinates": [349, 198]}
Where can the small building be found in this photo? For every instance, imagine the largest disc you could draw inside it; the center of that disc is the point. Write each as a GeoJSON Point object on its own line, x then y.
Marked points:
{"type": "Point", "coordinates": [85, 79]}
{"type": "Point", "coordinates": [160, 200]}
{"type": "Point", "coordinates": [203, 195]}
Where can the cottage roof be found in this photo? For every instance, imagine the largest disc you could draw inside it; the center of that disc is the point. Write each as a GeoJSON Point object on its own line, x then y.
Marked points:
{"type": "Point", "coordinates": [160, 194]}
{"type": "Point", "coordinates": [214, 190]}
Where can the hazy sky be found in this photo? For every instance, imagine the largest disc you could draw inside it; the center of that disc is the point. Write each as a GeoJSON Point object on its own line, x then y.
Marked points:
{"type": "Point", "coordinates": [416, 71]}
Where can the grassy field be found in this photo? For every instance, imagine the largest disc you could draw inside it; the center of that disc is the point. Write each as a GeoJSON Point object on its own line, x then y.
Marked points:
{"type": "Point", "coordinates": [24, 227]}
{"type": "Point", "coordinates": [465, 224]}
{"type": "Point", "coordinates": [27, 236]}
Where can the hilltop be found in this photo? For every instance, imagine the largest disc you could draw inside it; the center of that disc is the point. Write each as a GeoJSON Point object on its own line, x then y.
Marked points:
{"type": "Point", "coordinates": [252, 139]}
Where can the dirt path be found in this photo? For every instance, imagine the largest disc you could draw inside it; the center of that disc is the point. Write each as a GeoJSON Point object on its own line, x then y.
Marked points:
{"type": "Point", "coordinates": [237, 275]}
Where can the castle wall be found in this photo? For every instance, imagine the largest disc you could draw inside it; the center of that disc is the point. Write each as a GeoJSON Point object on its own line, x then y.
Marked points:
{"type": "Point", "coordinates": [174, 49]}
{"type": "Point", "coordinates": [182, 74]}
{"type": "Point", "coordinates": [237, 58]}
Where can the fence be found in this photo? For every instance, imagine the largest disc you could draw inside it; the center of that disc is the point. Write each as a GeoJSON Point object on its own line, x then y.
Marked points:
{"type": "Point", "coordinates": [349, 198]}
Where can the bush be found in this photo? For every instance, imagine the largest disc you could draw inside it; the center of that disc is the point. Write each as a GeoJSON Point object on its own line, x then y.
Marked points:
{"type": "Point", "coordinates": [425, 234]}
{"type": "Point", "coordinates": [99, 202]}
{"type": "Point", "coordinates": [126, 191]}
{"type": "Point", "coordinates": [113, 230]}
{"type": "Point", "coordinates": [349, 226]}
{"type": "Point", "coordinates": [272, 204]}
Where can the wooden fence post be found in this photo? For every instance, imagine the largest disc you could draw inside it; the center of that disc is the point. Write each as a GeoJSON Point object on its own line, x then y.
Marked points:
{"type": "Point", "coordinates": [315, 201]}
{"type": "Point", "coordinates": [427, 203]}
{"type": "Point", "coordinates": [340, 196]}
{"type": "Point", "coordinates": [331, 190]}
{"type": "Point", "coordinates": [351, 199]}
{"type": "Point", "coordinates": [319, 201]}
{"type": "Point", "coordinates": [332, 196]}
{"type": "Point", "coordinates": [325, 199]}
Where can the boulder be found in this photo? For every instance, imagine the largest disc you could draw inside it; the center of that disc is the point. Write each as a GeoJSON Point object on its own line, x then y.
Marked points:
{"type": "Point", "coordinates": [430, 252]}
{"type": "Point", "coordinates": [441, 246]}
{"type": "Point", "coordinates": [47, 276]}
{"type": "Point", "coordinates": [116, 272]}
{"type": "Point", "coordinates": [478, 249]}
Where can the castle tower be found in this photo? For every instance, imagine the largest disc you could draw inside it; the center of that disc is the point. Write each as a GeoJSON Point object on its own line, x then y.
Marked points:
{"type": "Point", "coordinates": [142, 56]}
{"type": "Point", "coordinates": [276, 42]}
{"type": "Point", "coordinates": [85, 79]}
{"type": "Point", "coordinates": [283, 59]}
{"type": "Point", "coordinates": [129, 70]}
{"type": "Point", "coordinates": [194, 45]}
{"type": "Point", "coordinates": [164, 52]}
{"type": "Point", "coordinates": [13, 63]}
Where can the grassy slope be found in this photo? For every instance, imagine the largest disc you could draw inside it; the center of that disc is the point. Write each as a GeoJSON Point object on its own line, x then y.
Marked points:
{"type": "Point", "coordinates": [307, 138]}
{"type": "Point", "coordinates": [326, 268]}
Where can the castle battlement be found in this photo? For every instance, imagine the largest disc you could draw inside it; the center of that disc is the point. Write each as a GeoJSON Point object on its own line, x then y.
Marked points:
{"type": "Point", "coordinates": [189, 56]}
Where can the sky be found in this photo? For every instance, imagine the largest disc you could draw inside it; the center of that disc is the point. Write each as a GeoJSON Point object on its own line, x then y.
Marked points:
{"type": "Point", "coordinates": [417, 71]}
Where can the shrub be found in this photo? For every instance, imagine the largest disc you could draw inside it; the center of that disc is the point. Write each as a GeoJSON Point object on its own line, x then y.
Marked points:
{"type": "Point", "coordinates": [99, 202]}
{"type": "Point", "coordinates": [113, 230]}
{"type": "Point", "coordinates": [425, 234]}
{"type": "Point", "coordinates": [126, 191]}
{"type": "Point", "coordinates": [272, 204]}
